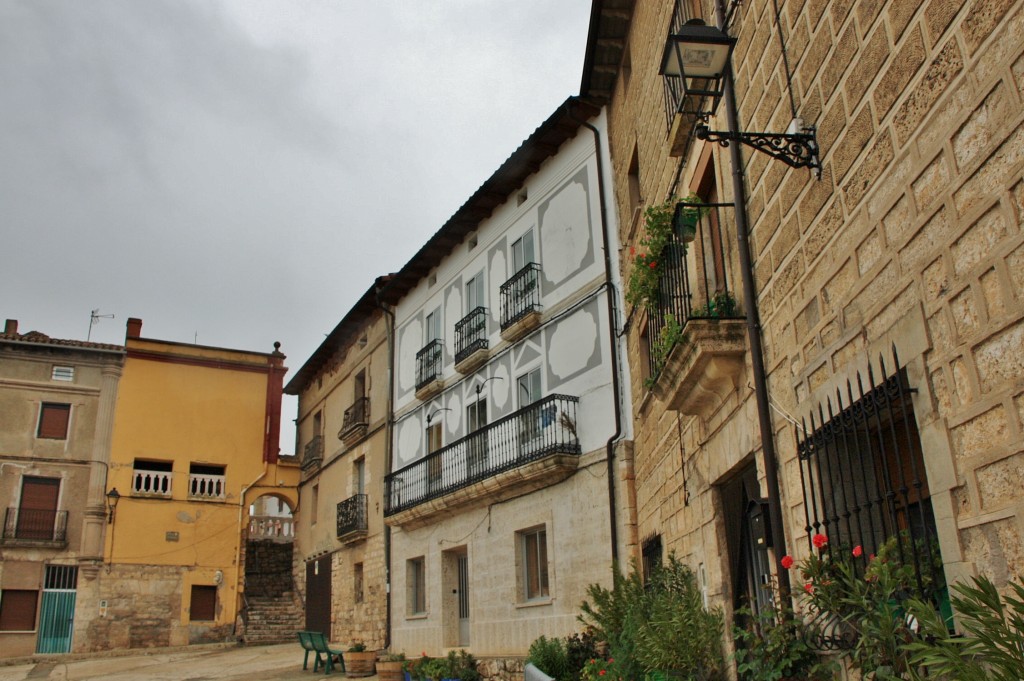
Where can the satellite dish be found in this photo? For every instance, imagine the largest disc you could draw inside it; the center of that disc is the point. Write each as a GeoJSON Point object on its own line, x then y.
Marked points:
{"type": "Point", "coordinates": [532, 673]}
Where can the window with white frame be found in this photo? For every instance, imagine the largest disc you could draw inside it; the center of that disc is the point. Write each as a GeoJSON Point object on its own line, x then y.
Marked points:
{"type": "Point", "coordinates": [522, 251]}
{"type": "Point", "coordinates": [475, 293]}
{"type": "Point", "coordinates": [533, 563]}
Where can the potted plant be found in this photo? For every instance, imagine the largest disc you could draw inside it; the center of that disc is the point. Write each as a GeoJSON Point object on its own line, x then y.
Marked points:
{"type": "Point", "coordinates": [390, 666]}
{"type": "Point", "coordinates": [358, 660]}
{"type": "Point", "coordinates": [686, 217]}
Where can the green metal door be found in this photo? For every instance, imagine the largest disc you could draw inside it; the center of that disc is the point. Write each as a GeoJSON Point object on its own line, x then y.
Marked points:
{"type": "Point", "coordinates": [57, 611]}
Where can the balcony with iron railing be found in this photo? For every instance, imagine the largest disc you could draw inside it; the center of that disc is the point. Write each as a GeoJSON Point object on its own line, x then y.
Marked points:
{"type": "Point", "coordinates": [352, 518]}
{"type": "Point", "coordinates": [695, 327]}
{"type": "Point", "coordinates": [205, 486]}
{"type": "Point", "coordinates": [151, 483]}
{"type": "Point", "coordinates": [471, 341]}
{"type": "Point", "coordinates": [355, 421]}
{"type": "Point", "coordinates": [520, 303]}
{"type": "Point", "coordinates": [429, 362]}
{"type": "Point", "coordinates": [313, 453]}
{"type": "Point", "coordinates": [35, 527]}
{"type": "Point", "coordinates": [531, 448]}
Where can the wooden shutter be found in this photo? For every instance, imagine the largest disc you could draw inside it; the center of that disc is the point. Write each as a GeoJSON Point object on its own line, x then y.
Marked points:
{"type": "Point", "coordinates": [38, 510]}
{"type": "Point", "coordinates": [18, 610]}
{"type": "Point", "coordinates": [204, 603]}
{"type": "Point", "coordinates": [53, 421]}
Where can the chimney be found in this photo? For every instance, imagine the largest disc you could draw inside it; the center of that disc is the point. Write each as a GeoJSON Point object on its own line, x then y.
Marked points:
{"type": "Point", "coordinates": [11, 327]}
{"type": "Point", "coordinates": [134, 328]}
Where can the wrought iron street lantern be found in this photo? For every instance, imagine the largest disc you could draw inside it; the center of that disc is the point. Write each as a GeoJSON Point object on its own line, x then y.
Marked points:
{"type": "Point", "coordinates": [113, 496]}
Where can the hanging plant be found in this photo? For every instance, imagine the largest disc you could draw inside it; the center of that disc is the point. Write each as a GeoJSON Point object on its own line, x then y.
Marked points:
{"type": "Point", "coordinates": [671, 333]}
{"type": "Point", "coordinates": [644, 281]}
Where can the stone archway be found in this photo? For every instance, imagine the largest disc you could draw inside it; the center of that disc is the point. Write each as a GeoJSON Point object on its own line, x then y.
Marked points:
{"type": "Point", "coordinates": [272, 610]}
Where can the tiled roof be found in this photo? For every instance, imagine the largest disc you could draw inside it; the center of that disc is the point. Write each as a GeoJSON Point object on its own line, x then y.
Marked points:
{"type": "Point", "coordinates": [39, 338]}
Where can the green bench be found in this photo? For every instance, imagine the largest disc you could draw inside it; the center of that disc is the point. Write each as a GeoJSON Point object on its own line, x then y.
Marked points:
{"type": "Point", "coordinates": [315, 642]}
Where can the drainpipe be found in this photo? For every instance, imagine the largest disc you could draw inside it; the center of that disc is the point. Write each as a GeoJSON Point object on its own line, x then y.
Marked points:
{"type": "Point", "coordinates": [612, 337]}
{"type": "Point", "coordinates": [768, 453]}
{"type": "Point", "coordinates": [388, 444]}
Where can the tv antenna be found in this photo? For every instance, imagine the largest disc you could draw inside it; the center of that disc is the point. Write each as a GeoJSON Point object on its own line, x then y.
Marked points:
{"type": "Point", "coordinates": [94, 318]}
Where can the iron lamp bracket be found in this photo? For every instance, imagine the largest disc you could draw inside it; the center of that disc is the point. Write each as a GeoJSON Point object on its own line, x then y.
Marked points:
{"type": "Point", "coordinates": [797, 150]}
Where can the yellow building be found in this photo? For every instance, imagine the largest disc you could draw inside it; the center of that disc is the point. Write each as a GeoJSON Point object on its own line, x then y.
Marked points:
{"type": "Point", "coordinates": [195, 444]}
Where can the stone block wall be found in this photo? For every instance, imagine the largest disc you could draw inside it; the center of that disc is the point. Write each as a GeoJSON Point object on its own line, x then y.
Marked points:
{"type": "Point", "coordinates": [912, 238]}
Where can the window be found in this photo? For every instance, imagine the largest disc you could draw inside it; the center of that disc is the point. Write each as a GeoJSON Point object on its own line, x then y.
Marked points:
{"type": "Point", "coordinates": [864, 478]}
{"type": "Point", "coordinates": [533, 556]}
{"type": "Point", "coordinates": [203, 606]}
{"type": "Point", "coordinates": [651, 556]}
{"type": "Point", "coordinates": [633, 183]}
{"type": "Point", "coordinates": [475, 293]}
{"type": "Point", "coordinates": [434, 465]}
{"type": "Point", "coordinates": [529, 388]}
{"type": "Point", "coordinates": [416, 585]}
{"type": "Point", "coordinates": [359, 475]}
{"type": "Point", "coordinates": [53, 421]}
{"type": "Point", "coordinates": [522, 251]}
{"type": "Point", "coordinates": [314, 503]}
{"type": "Point", "coordinates": [359, 385]}
{"type": "Point", "coordinates": [357, 583]}
{"type": "Point", "coordinates": [206, 482]}
{"type": "Point", "coordinates": [37, 512]}
{"type": "Point", "coordinates": [63, 374]}
{"type": "Point", "coordinates": [18, 610]}
{"type": "Point", "coordinates": [531, 423]}
{"type": "Point", "coordinates": [476, 448]}
{"type": "Point", "coordinates": [432, 329]}
{"type": "Point", "coordinates": [152, 477]}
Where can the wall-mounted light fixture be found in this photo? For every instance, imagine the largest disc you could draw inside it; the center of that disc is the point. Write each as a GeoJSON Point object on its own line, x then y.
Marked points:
{"type": "Point", "coordinates": [113, 496]}
{"type": "Point", "coordinates": [699, 56]}
{"type": "Point", "coordinates": [431, 415]}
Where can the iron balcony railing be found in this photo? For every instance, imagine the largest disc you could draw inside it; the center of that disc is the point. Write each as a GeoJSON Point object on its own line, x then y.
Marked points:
{"type": "Point", "coordinates": [546, 427]}
{"type": "Point", "coordinates": [520, 295]}
{"type": "Point", "coordinates": [428, 363]}
{"type": "Point", "coordinates": [313, 454]}
{"type": "Point", "coordinates": [205, 486]}
{"type": "Point", "coordinates": [694, 283]}
{"type": "Point", "coordinates": [157, 483]}
{"type": "Point", "coordinates": [36, 525]}
{"type": "Point", "coordinates": [356, 415]}
{"type": "Point", "coordinates": [471, 334]}
{"type": "Point", "coordinates": [352, 515]}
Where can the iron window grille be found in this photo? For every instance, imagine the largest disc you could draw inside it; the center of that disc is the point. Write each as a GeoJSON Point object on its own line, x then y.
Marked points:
{"type": "Point", "coordinates": [520, 295]}
{"type": "Point", "coordinates": [545, 427]}
{"type": "Point", "coordinates": [471, 334]}
{"type": "Point", "coordinates": [428, 363]}
{"type": "Point", "coordinates": [864, 483]}
{"type": "Point", "coordinates": [352, 515]}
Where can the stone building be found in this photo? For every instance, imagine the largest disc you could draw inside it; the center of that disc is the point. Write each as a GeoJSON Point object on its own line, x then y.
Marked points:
{"type": "Point", "coordinates": [509, 454]}
{"type": "Point", "coordinates": [342, 436]}
{"type": "Point", "coordinates": [56, 414]}
{"type": "Point", "coordinates": [195, 444]}
{"type": "Point", "coordinates": [908, 252]}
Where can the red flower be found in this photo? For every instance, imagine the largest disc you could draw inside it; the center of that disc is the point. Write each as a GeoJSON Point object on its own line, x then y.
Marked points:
{"type": "Point", "coordinates": [787, 562]}
{"type": "Point", "coordinates": [871, 557]}
{"type": "Point", "coordinates": [632, 250]}
{"type": "Point", "coordinates": [819, 540]}
{"type": "Point", "coordinates": [653, 264]}
{"type": "Point", "coordinates": [858, 551]}
{"type": "Point", "coordinates": [809, 588]}
{"type": "Point", "coordinates": [611, 659]}
{"type": "Point", "coordinates": [601, 673]}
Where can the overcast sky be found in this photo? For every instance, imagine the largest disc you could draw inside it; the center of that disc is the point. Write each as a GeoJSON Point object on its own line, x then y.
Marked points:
{"type": "Point", "coordinates": [236, 172]}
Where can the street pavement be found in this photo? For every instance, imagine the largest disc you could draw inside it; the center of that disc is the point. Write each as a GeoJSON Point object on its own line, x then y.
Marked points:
{"type": "Point", "coordinates": [257, 663]}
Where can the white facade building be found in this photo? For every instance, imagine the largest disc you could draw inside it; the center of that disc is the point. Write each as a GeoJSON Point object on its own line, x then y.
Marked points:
{"type": "Point", "coordinates": [507, 404]}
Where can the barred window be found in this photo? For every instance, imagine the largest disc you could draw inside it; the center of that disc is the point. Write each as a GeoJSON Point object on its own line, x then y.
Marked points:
{"type": "Point", "coordinates": [863, 475]}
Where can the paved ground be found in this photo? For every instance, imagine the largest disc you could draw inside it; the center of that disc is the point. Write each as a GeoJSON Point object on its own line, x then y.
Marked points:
{"type": "Point", "coordinates": [258, 663]}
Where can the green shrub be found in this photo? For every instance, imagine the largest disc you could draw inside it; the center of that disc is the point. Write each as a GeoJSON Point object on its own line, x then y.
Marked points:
{"type": "Point", "coordinates": [549, 656]}
{"type": "Point", "coordinates": [992, 650]}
